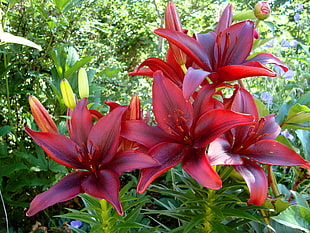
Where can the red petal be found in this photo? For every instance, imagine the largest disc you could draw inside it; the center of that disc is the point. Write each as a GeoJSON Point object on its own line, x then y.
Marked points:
{"type": "Point", "coordinates": [214, 123]}
{"type": "Point", "coordinates": [80, 123]}
{"type": "Point", "coordinates": [60, 148]}
{"type": "Point", "coordinates": [155, 64]}
{"type": "Point", "coordinates": [266, 58]}
{"type": "Point", "coordinates": [172, 112]}
{"type": "Point", "coordinates": [256, 180]}
{"type": "Point", "coordinates": [66, 189]}
{"type": "Point", "coordinates": [139, 131]}
{"type": "Point", "coordinates": [104, 185]}
{"type": "Point", "coordinates": [128, 161]}
{"type": "Point", "coordinates": [188, 45]}
{"type": "Point", "coordinates": [204, 101]}
{"type": "Point", "coordinates": [235, 72]}
{"type": "Point", "coordinates": [192, 80]}
{"type": "Point", "coordinates": [104, 137]}
{"type": "Point", "coordinates": [242, 101]}
{"type": "Point", "coordinates": [197, 165]}
{"type": "Point", "coordinates": [218, 153]}
{"type": "Point", "coordinates": [267, 128]}
{"type": "Point", "coordinates": [169, 155]}
{"type": "Point", "coordinates": [274, 153]}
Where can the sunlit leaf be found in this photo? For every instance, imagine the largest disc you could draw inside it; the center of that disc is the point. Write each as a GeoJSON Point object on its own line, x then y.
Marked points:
{"type": "Point", "coordinates": [297, 217]}
{"type": "Point", "coordinates": [9, 38]}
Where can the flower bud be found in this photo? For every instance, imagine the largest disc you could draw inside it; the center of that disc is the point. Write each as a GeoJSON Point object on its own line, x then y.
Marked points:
{"type": "Point", "coordinates": [41, 116]}
{"type": "Point", "coordinates": [173, 22]}
{"type": "Point", "coordinates": [262, 10]}
{"type": "Point", "coordinates": [67, 94]}
{"type": "Point", "coordinates": [83, 83]}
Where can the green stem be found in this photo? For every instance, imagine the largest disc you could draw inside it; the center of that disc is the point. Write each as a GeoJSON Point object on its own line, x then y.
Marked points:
{"type": "Point", "coordinates": [272, 181]}
{"type": "Point", "coordinates": [8, 103]}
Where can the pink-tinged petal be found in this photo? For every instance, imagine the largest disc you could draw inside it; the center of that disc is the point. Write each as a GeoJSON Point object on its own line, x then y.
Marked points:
{"type": "Point", "coordinates": [219, 153]}
{"type": "Point", "coordinates": [235, 72]}
{"type": "Point", "coordinates": [192, 80]}
{"type": "Point", "coordinates": [104, 184]}
{"type": "Point", "coordinates": [235, 44]}
{"type": "Point", "coordinates": [197, 165]}
{"type": "Point", "coordinates": [104, 137]}
{"type": "Point", "coordinates": [242, 101]}
{"type": "Point", "coordinates": [149, 136]}
{"type": "Point", "coordinates": [66, 189]}
{"type": "Point", "coordinates": [170, 72]}
{"type": "Point", "coordinates": [208, 42]}
{"type": "Point", "coordinates": [127, 161]}
{"type": "Point", "coordinates": [58, 147]}
{"type": "Point", "coordinates": [169, 155]}
{"type": "Point", "coordinates": [214, 123]}
{"type": "Point", "coordinates": [274, 153]}
{"type": "Point", "coordinates": [80, 123]}
{"type": "Point", "coordinates": [225, 19]}
{"type": "Point", "coordinates": [267, 128]}
{"type": "Point", "coordinates": [172, 112]}
{"type": "Point", "coordinates": [266, 58]}
{"type": "Point", "coordinates": [188, 45]}
{"type": "Point", "coordinates": [256, 180]}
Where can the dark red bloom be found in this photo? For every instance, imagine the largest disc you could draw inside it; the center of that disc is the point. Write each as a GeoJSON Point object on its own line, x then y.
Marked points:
{"type": "Point", "coordinates": [243, 146]}
{"type": "Point", "coordinates": [183, 132]}
{"type": "Point", "coordinates": [92, 149]}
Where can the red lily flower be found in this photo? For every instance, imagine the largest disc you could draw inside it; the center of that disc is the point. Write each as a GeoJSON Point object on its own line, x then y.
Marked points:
{"type": "Point", "coordinates": [93, 150]}
{"type": "Point", "coordinates": [183, 132]}
{"type": "Point", "coordinates": [243, 146]}
{"type": "Point", "coordinates": [223, 56]}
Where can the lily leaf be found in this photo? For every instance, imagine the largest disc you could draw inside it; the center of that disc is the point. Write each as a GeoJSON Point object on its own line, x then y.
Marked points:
{"type": "Point", "coordinates": [297, 217]}
{"type": "Point", "coordinates": [304, 136]}
{"type": "Point", "coordinates": [298, 117]}
{"type": "Point", "coordinates": [10, 38]}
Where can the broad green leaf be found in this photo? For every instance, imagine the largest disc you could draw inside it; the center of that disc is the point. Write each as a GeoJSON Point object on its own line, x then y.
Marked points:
{"type": "Point", "coordinates": [5, 130]}
{"type": "Point", "coordinates": [298, 114]}
{"type": "Point", "coordinates": [8, 169]}
{"type": "Point", "coordinates": [298, 117]}
{"type": "Point", "coordinates": [297, 217]}
{"type": "Point", "coordinates": [304, 136]}
{"type": "Point", "coordinates": [262, 109]}
{"type": "Point", "coordinates": [278, 204]}
{"type": "Point", "coordinates": [60, 4]}
{"type": "Point", "coordinates": [300, 200]}
{"type": "Point", "coordinates": [9, 38]}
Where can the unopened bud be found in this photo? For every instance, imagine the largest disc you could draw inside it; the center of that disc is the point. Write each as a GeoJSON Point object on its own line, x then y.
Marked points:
{"type": "Point", "coordinates": [83, 83]}
{"type": "Point", "coordinates": [41, 116]}
{"type": "Point", "coordinates": [262, 10]}
{"type": "Point", "coordinates": [67, 94]}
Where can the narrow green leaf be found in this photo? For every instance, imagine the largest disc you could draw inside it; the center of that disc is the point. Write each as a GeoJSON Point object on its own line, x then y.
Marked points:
{"type": "Point", "coordinates": [240, 214]}
{"type": "Point", "coordinates": [77, 66]}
